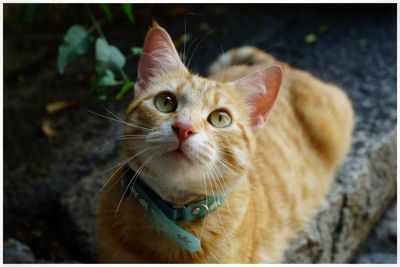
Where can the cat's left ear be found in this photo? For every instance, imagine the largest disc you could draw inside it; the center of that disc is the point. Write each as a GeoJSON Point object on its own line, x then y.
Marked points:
{"type": "Point", "coordinates": [261, 89]}
{"type": "Point", "coordinates": [159, 56]}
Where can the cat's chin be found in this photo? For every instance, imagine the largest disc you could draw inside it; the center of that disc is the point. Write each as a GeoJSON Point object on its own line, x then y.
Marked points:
{"type": "Point", "coordinates": [178, 156]}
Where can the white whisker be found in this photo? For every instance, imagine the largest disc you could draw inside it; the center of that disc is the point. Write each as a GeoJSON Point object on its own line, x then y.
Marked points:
{"type": "Point", "coordinates": [204, 221]}
{"type": "Point", "coordinates": [211, 177]}
{"type": "Point", "coordinates": [120, 138]}
{"type": "Point", "coordinates": [235, 174]}
{"type": "Point", "coordinates": [120, 166]}
{"type": "Point", "coordinates": [222, 185]}
{"type": "Point", "coordinates": [132, 180]}
{"type": "Point", "coordinates": [126, 160]}
{"type": "Point", "coordinates": [194, 51]}
{"type": "Point", "coordinates": [121, 121]}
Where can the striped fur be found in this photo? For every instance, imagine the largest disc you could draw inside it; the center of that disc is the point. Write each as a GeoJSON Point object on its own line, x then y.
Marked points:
{"type": "Point", "coordinates": [275, 178]}
{"type": "Point", "coordinates": [245, 55]}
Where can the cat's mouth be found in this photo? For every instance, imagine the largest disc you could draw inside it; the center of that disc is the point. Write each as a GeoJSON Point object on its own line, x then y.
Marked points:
{"type": "Point", "coordinates": [179, 154]}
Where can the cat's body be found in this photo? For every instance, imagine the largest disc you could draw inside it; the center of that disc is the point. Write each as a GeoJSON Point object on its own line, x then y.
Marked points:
{"type": "Point", "coordinates": [285, 173]}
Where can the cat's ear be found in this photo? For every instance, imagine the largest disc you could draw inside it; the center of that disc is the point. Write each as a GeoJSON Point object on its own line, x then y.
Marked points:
{"type": "Point", "coordinates": [159, 56]}
{"type": "Point", "coordinates": [261, 89]}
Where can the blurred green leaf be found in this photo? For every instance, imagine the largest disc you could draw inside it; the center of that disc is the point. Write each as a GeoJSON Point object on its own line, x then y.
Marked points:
{"type": "Point", "coordinates": [76, 42]}
{"type": "Point", "coordinates": [185, 38]}
{"type": "Point", "coordinates": [108, 57]}
{"type": "Point", "coordinates": [108, 79]}
{"type": "Point", "coordinates": [127, 8]}
{"type": "Point", "coordinates": [363, 42]}
{"type": "Point", "coordinates": [125, 88]}
{"type": "Point", "coordinates": [101, 84]}
{"type": "Point", "coordinates": [30, 12]}
{"type": "Point", "coordinates": [310, 38]}
{"type": "Point", "coordinates": [106, 11]}
{"type": "Point", "coordinates": [137, 51]}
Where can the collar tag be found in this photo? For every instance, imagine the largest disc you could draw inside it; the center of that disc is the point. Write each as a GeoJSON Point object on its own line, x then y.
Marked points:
{"type": "Point", "coordinates": [165, 225]}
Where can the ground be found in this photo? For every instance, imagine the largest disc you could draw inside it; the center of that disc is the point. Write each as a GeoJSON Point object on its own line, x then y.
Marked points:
{"type": "Point", "coordinates": [353, 46]}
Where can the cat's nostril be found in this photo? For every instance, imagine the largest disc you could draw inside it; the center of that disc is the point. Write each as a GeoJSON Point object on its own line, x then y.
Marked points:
{"type": "Point", "coordinates": [175, 128]}
{"type": "Point", "coordinates": [183, 130]}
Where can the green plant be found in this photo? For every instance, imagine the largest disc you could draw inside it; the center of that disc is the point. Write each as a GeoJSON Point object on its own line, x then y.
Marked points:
{"type": "Point", "coordinates": [30, 13]}
{"type": "Point", "coordinates": [110, 61]}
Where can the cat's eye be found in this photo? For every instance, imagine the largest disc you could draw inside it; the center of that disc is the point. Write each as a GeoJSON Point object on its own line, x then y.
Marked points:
{"type": "Point", "coordinates": [165, 102]}
{"type": "Point", "coordinates": [219, 119]}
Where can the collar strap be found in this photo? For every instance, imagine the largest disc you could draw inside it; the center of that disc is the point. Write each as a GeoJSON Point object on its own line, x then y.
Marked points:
{"type": "Point", "coordinates": [187, 213]}
{"type": "Point", "coordinates": [148, 199]}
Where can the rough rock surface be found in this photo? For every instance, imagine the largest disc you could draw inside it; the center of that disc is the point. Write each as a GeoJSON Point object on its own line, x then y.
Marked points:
{"type": "Point", "coordinates": [80, 204]}
{"type": "Point", "coordinates": [376, 257]}
{"type": "Point", "coordinates": [381, 244]}
{"type": "Point", "coordinates": [17, 252]}
{"type": "Point", "coordinates": [365, 187]}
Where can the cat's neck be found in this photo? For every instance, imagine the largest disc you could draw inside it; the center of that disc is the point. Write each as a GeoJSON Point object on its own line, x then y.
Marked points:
{"type": "Point", "coordinates": [175, 196]}
{"type": "Point", "coordinates": [179, 198]}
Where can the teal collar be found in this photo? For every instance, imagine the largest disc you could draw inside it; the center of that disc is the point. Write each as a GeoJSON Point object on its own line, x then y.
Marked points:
{"type": "Point", "coordinates": [164, 214]}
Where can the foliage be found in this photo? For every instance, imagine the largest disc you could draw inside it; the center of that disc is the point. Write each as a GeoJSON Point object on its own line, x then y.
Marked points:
{"type": "Point", "coordinates": [110, 61]}
{"type": "Point", "coordinates": [106, 11]}
{"type": "Point", "coordinates": [108, 57]}
{"type": "Point", "coordinates": [30, 13]}
{"type": "Point", "coordinates": [76, 43]}
{"type": "Point", "coordinates": [125, 88]}
{"type": "Point", "coordinates": [128, 11]}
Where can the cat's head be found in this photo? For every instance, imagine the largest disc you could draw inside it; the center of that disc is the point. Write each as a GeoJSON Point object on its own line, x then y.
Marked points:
{"type": "Point", "coordinates": [191, 136]}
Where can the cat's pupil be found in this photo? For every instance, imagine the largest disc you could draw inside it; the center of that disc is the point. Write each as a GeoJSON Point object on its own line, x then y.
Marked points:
{"type": "Point", "coordinates": [167, 99]}
{"type": "Point", "coordinates": [220, 118]}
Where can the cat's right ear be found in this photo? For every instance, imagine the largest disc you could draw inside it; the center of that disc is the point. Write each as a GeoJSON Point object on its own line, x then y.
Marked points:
{"type": "Point", "coordinates": [261, 89]}
{"type": "Point", "coordinates": [159, 56]}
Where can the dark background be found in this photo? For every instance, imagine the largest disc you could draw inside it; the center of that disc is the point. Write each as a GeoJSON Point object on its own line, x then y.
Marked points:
{"type": "Point", "coordinates": [355, 47]}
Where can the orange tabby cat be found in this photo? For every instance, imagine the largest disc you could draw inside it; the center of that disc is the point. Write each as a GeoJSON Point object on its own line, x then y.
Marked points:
{"type": "Point", "coordinates": [189, 137]}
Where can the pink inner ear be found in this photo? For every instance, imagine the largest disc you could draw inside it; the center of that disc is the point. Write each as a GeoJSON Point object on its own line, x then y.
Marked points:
{"type": "Point", "coordinates": [263, 103]}
{"type": "Point", "coordinates": [261, 89]}
{"type": "Point", "coordinates": [159, 56]}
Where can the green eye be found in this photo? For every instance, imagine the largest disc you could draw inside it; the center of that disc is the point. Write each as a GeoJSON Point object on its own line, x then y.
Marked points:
{"type": "Point", "coordinates": [219, 119]}
{"type": "Point", "coordinates": [165, 102]}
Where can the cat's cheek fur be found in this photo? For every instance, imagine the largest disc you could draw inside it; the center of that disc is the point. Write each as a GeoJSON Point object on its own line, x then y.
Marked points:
{"type": "Point", "coordinates": [241, 157]}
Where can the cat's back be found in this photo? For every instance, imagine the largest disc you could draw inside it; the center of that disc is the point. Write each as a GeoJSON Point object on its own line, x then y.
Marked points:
{"type": "Point", "coordinates": [306, 136]}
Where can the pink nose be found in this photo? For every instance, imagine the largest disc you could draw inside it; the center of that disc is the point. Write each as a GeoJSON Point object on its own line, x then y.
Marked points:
{"type": "Point", "coordinates": [183, 130]}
